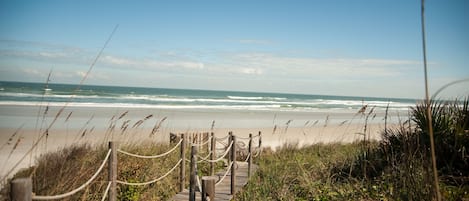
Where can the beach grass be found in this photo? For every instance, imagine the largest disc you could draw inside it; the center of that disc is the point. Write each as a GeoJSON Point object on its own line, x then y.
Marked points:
{"type": "Point", "coordinates": [396, 168]}
{"type": "Point", "coordinates": [62, 171]}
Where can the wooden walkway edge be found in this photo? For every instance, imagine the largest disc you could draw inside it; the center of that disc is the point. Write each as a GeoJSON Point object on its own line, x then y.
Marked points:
{"type": "Point", "coordinates": [222, 191]}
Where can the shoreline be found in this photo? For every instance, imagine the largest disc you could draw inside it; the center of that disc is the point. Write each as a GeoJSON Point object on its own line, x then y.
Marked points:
{"type": "Point", "coordinates": [34, 117]}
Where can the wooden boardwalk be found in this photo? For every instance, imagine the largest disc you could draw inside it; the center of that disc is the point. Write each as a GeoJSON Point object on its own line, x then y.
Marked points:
{"type": "Point", "coordinates": [222, 191]}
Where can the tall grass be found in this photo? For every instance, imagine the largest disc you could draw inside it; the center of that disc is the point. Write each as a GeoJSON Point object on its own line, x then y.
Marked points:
{"type": "Point", "coordinates": [64, 170]}
{"type": "Point", "coordinates": [396, 168]}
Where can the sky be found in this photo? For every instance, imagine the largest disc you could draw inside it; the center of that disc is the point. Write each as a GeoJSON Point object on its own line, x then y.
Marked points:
{"type": "Point", "coordinates": [335, 47]}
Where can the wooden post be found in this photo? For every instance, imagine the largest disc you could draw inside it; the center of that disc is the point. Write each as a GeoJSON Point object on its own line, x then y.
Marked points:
{"type": "Point", "coordinates": [260, 143]}
{"type": "Point", "coordinates": [193, 179]}
{"type": "Point", "coordinates": [208, 188]}
{"type": "Point", "coordinates": [212, 153]}
{"type": "Point", "coordinates": [200, 138]}
{"type": "Point", "coordinates": [21, 189]}
{"type": "Point", "coordinates": [206, 137]}
{"type": "Point", "coordinates": [182, 170]}
{"type": "Point", "coordinates": [230, 134]}
{"type": "Point", "coordinates": [233, 166]}
{"type": "Point", "coordinates": [112, 171]}
{"type": "Point", "coordinates": [250, 155]}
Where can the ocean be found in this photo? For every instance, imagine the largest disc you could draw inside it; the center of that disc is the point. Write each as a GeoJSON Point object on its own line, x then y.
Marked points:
{"type": "Point", "coordinates": [33, 94]}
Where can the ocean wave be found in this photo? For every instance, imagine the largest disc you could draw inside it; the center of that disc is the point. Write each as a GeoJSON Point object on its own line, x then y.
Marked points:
{"type": "Point", "coordinates": [257, 107]}
{"type": "Point", "coordinates": [254, 98]}
{"type": "Point", "coordinates": [129, 105]}
{"type": "Point", "coordinates": [183, 101]}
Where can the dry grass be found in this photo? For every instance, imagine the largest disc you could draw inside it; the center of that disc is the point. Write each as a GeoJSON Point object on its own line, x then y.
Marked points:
{"type": "Point", "coordinates": [397, 168]}
{"type": "Point", "coordinates": [62, 171]}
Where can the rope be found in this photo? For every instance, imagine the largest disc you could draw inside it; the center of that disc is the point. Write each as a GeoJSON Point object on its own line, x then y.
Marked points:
{"type": "Point", "coordinates": [106, 191]}
{"type": "Point", "coordinates": [247, 138]}
{"type": "Point", "coordinates": [152, 181]}
{"type": "Point", "coordinates": [257, 154]}
{"type": "Point", "coordinates": [222, 138]}
{"type": "Point", "coordinates": [206, 157]}
{"type": "Point", "coordinates": [199, 184]}
{"type": "Point", "coordinates": [226, 173]}
{"type": "Point", "coordinates": [221, 158]}
{"type": "Point", "coordinates": [247, 158]}
{"type": "Point", "coordinates": [150, 157]}
{"type": "Point", "coordinates": [222, 143]}
{"type": "Point", "coordinates": [242, 145]}
{"type": "Point", "coordinates": [55, 197]}
{"type": "Point", "coordinates": [203, 143]}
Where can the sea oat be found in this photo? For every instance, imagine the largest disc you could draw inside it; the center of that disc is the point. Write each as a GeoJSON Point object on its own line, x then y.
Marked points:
{"type": "Point", "coordinates": [326, 121]}
{"type": "Point", "coordinates": [362, 110]}
{"type": "Point", "coordinates": [157, 126]}
{"type": "Point", "coordinates": [124, 126]}
{"type": "Point", "coordinates": [342, 123]}
{"type": "Point", "coordinates": [138, 123]}
{"type": "Point", "coordinates": [68, 117]}
{"type": "Point", "coordinates": [287, 125]}
{"type": "Point", "coordinates": [148, 117]}
{"type": "Point", "coordinates": [123, 114]}
{"type": "Point", "coordinates": [213, 125]}
{"type": "Point", "coordinates": [316, 122]}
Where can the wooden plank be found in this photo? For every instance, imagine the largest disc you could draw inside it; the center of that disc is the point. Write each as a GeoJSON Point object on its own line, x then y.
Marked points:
{"type": "Point", "coordinates": [222, 191]}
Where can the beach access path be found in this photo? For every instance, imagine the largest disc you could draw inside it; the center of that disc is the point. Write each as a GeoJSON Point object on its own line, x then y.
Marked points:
{"type": "Point", "coordinates": [222, 191]}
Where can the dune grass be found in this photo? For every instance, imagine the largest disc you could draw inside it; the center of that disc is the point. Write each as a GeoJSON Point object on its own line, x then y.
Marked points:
{"type": "Point", "coordinates": [64, 170]}
{"type": "Point", "coordinates": [396, 168]}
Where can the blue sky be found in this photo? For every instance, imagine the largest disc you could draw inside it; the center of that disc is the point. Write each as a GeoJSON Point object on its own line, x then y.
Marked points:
{"type": "Point", "coordinates": [352, 48]}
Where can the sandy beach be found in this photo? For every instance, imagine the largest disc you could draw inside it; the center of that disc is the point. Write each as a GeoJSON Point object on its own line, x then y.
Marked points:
{"type": "Point", "coordinates": [20, 130]}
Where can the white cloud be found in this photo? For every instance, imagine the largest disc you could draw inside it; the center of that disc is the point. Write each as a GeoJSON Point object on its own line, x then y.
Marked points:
{"type": "Point", "coordinates": [251, 71]}
{"type": "Point", "coordinates": [34, 72]}
{"type": "Point", "coordinates": [150, 63]}
{"type": "Point", "coordinates": [117, 60]}
{"type": "Point", "coordinates": [221, 70]}
{"type": "Point", "coordinates": [255, 42]}
{"type": "Point", "coordinates": [300, 67]}
{"type": "Point", "coordinates": [53, 55]}
{"type": "Point", "coordinates": [92, 76]}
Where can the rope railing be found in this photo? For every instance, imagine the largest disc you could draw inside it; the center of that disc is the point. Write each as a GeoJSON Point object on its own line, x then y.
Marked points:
{"type": "Point", "coordinates": [64, 195]}
{"type": "Point", "coordinates": [151, 157]}
{"type": "Point", "coordinates": [206, 157]}
{"type": "Point", "coordinates": [222, 138]}
{"type": "Point", "coordinates": [247, 157]}
{"type": "Point", "coordinates": [202, 144]}
{"type": "Point", "coordinates": [106, 191]}
{"type": "Point", "coordinates": [222, 143]}
{"type": "Point", "coordinates": [221, 158]}
{"type": "Point", "coordinates": [199, 185]}
{"type": "Point", "coordinates": [226, 173]}
{"type": "Point", "coordinates": [242, 146]}
{"type": "Point", "coordinates": [248, 138]}
{"type": "Point", "coordinates": [258, 152]}
{"type": "Point", "coordinates": [231, 146]}
{"type": "Point", "coordinates": [152, 181]}
{"type": "Point", "coordinates": [243, 138]}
